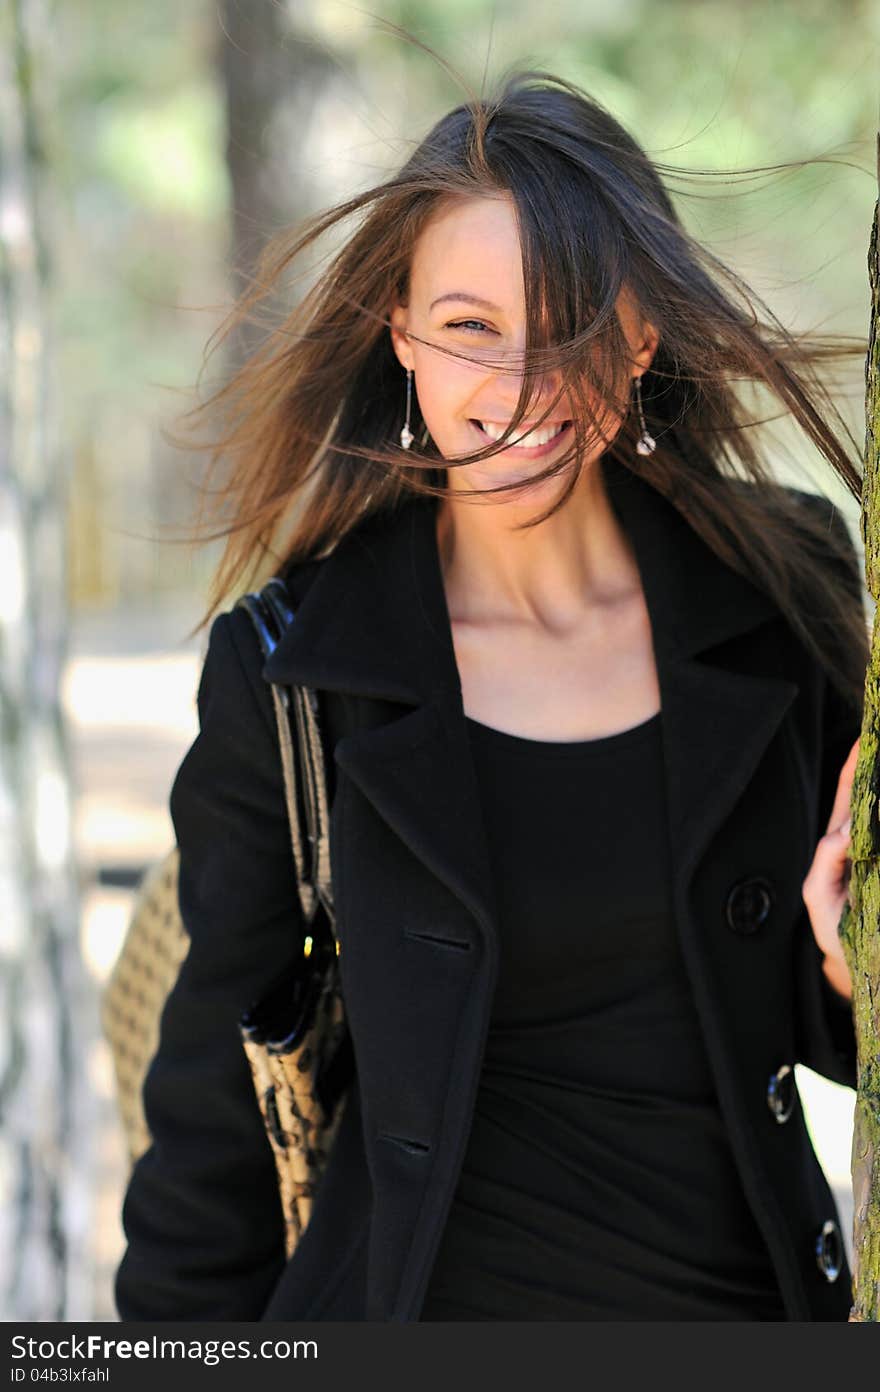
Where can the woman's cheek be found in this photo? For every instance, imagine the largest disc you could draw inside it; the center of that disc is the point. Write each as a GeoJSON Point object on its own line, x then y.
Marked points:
{"type": "Point", "coordinates": [443, 407]}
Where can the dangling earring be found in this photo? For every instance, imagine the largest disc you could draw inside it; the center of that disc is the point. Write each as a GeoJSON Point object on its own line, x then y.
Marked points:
{"type": "Point", "coordinates": [406, 435]}
{"type": "Point", "coordinates": [646, 443]}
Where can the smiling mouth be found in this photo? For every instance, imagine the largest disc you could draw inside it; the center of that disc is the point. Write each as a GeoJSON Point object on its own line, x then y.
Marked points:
{"type": "Point", "coordinates": [532, 441]}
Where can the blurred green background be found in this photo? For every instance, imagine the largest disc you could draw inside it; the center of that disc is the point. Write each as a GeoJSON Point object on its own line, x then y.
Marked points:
{"type": "Point", "coordinates": [148, 152]}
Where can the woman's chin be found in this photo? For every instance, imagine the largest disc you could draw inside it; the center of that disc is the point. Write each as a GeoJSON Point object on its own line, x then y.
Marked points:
{"type": "Point", "coordinates": [477, 477]}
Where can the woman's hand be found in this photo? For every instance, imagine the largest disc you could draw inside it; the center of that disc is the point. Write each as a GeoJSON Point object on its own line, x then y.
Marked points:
{"type": "Point", "coordinates": [826, 888]}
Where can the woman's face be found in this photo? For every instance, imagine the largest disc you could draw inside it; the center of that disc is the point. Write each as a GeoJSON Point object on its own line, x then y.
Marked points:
{"type": "Point", "coordinates": [467, 293]}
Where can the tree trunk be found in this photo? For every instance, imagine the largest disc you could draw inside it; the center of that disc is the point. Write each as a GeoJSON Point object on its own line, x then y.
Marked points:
{"type": "Point", "coordinates": [46, 1018]}
{"type": "Point", "coordinates": [273, 71]}
{"type": "Point", "coordinates": [861, 924]}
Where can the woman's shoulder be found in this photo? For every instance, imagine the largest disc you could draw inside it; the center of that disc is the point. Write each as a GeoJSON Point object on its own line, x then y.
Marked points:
{"type": "Point", "coordinates": [233, 661]}
{"type": "Point", "coordinates": [817, 522]}
{"type": "Point", "coordinates": [832, 533]}
{"type": "Point", "coordinates": [298, 575]}
{"type": "Point", "coordinates": [234, 632]}
{"type": "Point", "coordinates": [821, 508]}
{"type": "Point", "coordinates": [806, 502]}
{"type": "Point", "coordinates": [231, 689]}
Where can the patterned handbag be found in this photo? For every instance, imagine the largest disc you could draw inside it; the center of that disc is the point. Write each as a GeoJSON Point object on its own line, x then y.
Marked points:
{"type": "Point", "coordinates": [295, 1038]}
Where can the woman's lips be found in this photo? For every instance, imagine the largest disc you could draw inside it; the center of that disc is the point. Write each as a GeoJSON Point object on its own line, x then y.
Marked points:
{"type": "Point", "coordinates": [527, 451]}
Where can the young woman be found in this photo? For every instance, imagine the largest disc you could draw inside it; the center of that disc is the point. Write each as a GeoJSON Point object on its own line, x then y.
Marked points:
{"type": "Point", "coordinates": [590, 685]}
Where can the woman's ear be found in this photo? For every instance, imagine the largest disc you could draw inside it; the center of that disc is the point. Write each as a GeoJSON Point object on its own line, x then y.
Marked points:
{"type": "Point", "coordinates": [641, 335]}
{"type": "Point", "coordinates": [399, 341]}
{"type": "Point", "coordinates": [650, 338]}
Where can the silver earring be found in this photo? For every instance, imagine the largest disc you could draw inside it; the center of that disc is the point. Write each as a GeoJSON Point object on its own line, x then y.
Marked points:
{"type": "Point", "coordinates": [646, 443]}
{"type": "Point", "coordinates": [406, 435]}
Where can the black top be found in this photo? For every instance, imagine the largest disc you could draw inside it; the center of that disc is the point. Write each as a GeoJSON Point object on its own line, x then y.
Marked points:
{"type": "Point", "coordinates": [598, 1182]}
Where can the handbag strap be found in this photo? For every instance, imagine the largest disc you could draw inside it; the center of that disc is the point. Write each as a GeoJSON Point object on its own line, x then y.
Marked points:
{"type": "Point", "coordinates": [300, 744]}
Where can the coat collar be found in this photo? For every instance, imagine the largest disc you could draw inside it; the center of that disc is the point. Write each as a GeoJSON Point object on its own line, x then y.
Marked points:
{"type": "Point", "coordinates": [374, 622]}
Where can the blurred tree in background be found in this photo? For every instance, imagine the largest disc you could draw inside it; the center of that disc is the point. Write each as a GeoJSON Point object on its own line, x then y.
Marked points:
{"type": "Point", "coordinates": [47, 1014]}
{"type": "Point", "coordinates": [273, 77]}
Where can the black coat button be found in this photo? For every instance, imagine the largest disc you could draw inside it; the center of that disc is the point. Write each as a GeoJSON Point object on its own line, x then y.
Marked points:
{"type": "Point", "coordinates": [748, 904]}
{"type": "Point", "coordinates": [781, 1092]}
{"type": "Point", "coordinates": [829, 1250]}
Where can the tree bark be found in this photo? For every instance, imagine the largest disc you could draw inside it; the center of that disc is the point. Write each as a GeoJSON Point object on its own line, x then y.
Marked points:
{"type": "Point", "coordinates": [860, 925]}
{"type": "Point", "coordinates": [47, 1015]}
{"type": "Point", "coordinates": [272, 71]}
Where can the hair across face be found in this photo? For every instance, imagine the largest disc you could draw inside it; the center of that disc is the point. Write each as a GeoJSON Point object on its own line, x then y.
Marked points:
{"type": "Point", "coordinates": [536, 201]}
{"type": "Point", "coordinates": [464, 334]}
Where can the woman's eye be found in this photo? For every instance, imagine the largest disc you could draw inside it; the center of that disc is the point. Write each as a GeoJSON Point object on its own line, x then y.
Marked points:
{"type": "Point", "coordinates": [469, 325]}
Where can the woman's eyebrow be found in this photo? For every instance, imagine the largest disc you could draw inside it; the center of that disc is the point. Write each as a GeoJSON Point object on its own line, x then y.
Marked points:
{"type": "Point", "coordinates": [471, 299]}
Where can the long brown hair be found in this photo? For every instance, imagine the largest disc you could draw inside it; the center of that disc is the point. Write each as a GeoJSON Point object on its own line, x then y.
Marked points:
{"type": "Point", "coordinates": [312, 417]}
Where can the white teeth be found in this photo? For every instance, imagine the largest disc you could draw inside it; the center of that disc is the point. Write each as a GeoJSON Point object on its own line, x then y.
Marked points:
{"type": "Point", "coordinates": [533, 438]}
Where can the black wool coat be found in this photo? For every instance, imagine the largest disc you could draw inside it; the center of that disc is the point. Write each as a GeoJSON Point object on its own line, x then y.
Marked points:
{"type": "Point", "coordinates": [754, 737]}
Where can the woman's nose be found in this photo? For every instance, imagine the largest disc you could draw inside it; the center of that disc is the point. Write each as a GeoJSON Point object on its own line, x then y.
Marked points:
{"type": "Point", "coordinates": [545, 386]}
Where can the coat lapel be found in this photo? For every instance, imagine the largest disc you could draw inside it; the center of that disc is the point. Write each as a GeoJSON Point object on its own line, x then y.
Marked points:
{"type": "Point", "coordinates": [374, 623]}
{"type": "Point", "coordinates": [716, 720]}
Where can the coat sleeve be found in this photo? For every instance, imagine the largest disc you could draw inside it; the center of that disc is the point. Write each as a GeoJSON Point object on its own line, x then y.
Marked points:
{"type": "Point", "coordinates": [826, 1033]}
{"type": "Point", "coordinates": [202, 1215]}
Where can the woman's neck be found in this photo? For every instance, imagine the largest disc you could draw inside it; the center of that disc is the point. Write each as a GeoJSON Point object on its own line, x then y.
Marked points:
{"type": "Point", "coordinates": [549, 575]}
